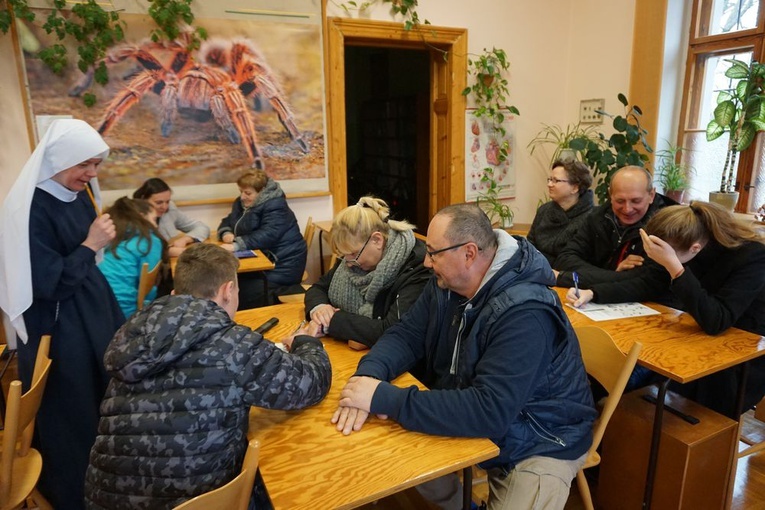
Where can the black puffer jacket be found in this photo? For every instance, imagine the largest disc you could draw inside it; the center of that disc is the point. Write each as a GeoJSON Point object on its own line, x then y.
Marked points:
{"type": "Point", "coordinates": [553, 227]}
{"type": "Point", "coordinates": [175, 416]}
{"type": "Point", "coordinates": [600, 243]}
{"type": "Point", "coordinates": [269, 225]}
{"type": "Point", "coordinates": [389, 307]}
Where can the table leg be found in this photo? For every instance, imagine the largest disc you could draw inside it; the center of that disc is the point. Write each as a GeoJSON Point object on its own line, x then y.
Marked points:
{"type": "Point", "coordinates": [653, 456]}
{"type": "Point", "coordinates": [467, 487]}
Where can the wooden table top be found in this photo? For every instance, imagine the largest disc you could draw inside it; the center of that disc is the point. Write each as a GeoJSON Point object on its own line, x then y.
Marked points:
{"type": "Point", "coordinates": [308, 464]}
{"type": "Point", "coordinates": [673, 344]}
{"type": "Point", "coordinates": [246, 265]}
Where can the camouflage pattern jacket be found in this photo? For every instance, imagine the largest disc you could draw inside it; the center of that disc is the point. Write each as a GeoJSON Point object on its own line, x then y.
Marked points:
{"type": "Point", "coordinates": [175, 416]}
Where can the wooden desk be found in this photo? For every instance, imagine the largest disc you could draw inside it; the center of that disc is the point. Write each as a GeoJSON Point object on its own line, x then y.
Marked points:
{"type": "Point", "coordinates": [246, 265]}
{"type": "Point", "coordinates": [675, 346]}
{"type": "Point", "coordinates": [307, 464]}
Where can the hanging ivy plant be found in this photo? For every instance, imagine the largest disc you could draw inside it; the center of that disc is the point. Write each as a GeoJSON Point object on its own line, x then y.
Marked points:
{"type": "Point", "coordinates": [172, 18]}
{"type": "Point", "coordinates": [406, 8]}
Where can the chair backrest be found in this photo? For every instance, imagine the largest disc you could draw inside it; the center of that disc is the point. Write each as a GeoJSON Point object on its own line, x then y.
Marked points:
{"type": "Point", "coordinates": [310, 229]}
{"type": "Point", "coordinates": [20, 415]}
{"type": "Point", "coordinates": [421, 237]}
{"type": "Point", "coordinates": [606, 363]}
{"type": "Point", "coordinates": [235, 495]}
{"type": "Point", "coordinates": [147, 281]}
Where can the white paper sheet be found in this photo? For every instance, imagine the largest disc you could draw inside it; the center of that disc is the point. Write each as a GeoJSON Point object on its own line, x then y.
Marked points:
{"type": "Point", "coordinates": [600, 312]}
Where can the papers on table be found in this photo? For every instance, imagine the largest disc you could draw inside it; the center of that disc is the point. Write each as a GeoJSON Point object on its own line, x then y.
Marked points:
{"type": "Point", "coordinates": [599, 312]}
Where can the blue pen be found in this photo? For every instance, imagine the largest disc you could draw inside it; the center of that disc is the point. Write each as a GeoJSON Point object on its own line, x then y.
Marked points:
{"type": "Point", "coordinates": [576, 283]}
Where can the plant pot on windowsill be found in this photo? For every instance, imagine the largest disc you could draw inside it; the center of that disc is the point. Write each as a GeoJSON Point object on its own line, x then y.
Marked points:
{"type": "Point", "coordinates": [727, 199]}
{"type": "Point", "coordinates": [678, 195]}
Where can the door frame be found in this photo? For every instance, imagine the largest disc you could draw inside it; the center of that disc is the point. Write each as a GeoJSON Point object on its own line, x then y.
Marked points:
{"type": "Point", "coordinates": [448, 78]}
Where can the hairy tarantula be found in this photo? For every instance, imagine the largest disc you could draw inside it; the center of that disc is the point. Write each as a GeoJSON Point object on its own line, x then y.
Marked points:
{"type": "Point", "coordinates": [216, 82]}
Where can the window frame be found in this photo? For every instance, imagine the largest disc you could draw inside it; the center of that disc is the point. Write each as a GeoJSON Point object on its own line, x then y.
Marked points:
{"type": "Point", "coordinates": [753, 40]}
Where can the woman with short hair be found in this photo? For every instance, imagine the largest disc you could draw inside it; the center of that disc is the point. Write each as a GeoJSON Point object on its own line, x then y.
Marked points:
{"type": "Point", "coordinates": [570, 202]}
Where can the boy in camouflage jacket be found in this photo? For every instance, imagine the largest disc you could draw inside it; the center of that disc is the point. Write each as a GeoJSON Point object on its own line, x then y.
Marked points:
{"type": "Point", "coordinates": [175, 416]}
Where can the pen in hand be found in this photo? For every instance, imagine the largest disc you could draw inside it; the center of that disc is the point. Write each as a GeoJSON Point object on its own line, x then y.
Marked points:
{"type": "Point", "coordinates": [300, 326]}
{"type": "Point", "coordinates": [576, 283]}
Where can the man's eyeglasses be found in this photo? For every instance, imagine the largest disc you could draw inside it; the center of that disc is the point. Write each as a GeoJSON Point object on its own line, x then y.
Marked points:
{"type": "Point", "coordinates": [553, 180]}
{"type": "Point", "coordinates": [355, 261]}
{"type": "Point", "coordinates": [433, 253]}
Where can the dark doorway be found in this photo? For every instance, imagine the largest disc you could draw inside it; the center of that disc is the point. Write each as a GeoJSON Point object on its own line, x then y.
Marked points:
{"type": "Point", "coordinates": [388, 128]}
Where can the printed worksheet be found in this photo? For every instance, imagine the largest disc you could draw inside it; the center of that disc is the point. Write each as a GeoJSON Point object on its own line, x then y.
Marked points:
{"type": "Point", "coordinates": [599, 312]}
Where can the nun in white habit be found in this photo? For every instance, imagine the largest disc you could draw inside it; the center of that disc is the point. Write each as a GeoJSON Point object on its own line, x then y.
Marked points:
{"type": "Point", "coordinates": [50, 233]}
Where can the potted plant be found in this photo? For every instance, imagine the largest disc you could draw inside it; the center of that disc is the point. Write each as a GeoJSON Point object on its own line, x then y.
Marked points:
{"type": "Point", "coordinates": [606, 155]}
{"type": "Point", "coordinates": [740, 112]}
{"type": "Point", "coordinates": [672, 173]}
{"type": "Point", "coordinates": [489, 92]}
{"type": "Point", "coordinates": [561, 138]}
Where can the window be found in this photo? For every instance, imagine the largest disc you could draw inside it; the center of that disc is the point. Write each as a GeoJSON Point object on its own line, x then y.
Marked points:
{"type": "Point", "coordinates": [720, 30]}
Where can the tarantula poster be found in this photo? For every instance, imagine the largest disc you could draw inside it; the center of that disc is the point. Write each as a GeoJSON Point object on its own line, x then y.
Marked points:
{"type": "Point", "coordinates": [250, 96]}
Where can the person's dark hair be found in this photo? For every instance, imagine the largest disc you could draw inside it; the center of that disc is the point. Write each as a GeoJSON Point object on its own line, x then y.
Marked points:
{"type": "Point", "coordinates": [255, 179]}
{"type": "Point", "coordinates": [202, 268]}
{"type": "Point", "coordinates": [151, 187]}
{"type": "Point", "coordinates": [683, 225]}
{"type": "Point", "coordinates": [128, 215]}
{"type": "Point", "coordinates": [577, 173]}
{"type": "Point", "coordinates": [469, 223]}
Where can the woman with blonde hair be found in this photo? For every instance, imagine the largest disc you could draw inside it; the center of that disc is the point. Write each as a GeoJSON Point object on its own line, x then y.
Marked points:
{"type": "Point", "coordinates": [380, 274]}
{"type": "Point", "coordinates": [711, 265]}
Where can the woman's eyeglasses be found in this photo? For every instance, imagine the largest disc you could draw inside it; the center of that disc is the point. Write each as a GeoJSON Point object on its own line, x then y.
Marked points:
{"type": "Point", "coordinates": [553, 180]}
{"type": "Point", "coordinates": [355, 261]}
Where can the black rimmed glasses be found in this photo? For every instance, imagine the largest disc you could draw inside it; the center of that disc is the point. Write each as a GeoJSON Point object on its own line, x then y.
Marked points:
{"type": "Point", "coordinates": [553, 180]}
{"type": "Point", "coordinates": [433, 253]}
{"type": "Point", "coordinates": [355, 261]}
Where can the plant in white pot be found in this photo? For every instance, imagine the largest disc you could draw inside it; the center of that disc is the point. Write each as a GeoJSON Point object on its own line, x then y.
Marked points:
{"type": "Point", "coordinates": [740, 112]}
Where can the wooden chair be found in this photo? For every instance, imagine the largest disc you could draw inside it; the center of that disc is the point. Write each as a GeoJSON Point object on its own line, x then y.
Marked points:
{"type": "Point", "coordinates": [753, 446]}
{"type": "Point", "coordinates": [147, 281]}
{"type": "Point", "coordinates": [20, 465]}
{"type": "Point", "coordinates": [235, 495]}
{"type": "Point", "coordinates": [606, 363]}
{"type": "Point", "coordinates": [308, 235]}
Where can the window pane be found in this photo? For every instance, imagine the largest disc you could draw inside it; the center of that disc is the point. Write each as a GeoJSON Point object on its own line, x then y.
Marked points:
{"type": "Point", "coordinates": [707, 160]}
{"type": "Point", "coordinates": [726, 16]}
{"type": "Point", "coordinates": [757, 196]}
{"type": "Point", "coordinates": [712, 70]}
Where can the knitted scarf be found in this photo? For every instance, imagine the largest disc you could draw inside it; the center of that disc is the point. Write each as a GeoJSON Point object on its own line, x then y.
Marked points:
{"type": "Point", "coordinates": [354, 290]}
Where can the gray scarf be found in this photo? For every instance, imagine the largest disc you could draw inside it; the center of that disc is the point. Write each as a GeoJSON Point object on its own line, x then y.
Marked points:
{"type": "Point", "coordinates": [354, 290]}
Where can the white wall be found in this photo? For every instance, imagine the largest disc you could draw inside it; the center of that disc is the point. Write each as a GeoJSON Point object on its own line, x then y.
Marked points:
{"type": "Point", "coordinates": [561, 51]}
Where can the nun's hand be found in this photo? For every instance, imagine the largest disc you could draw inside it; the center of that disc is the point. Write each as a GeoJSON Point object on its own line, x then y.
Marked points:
{"type": "Point", "coordinates": [101, 232]}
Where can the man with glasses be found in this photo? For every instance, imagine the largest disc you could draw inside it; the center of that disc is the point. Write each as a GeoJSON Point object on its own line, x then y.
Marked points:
{"type": "Point", "coordinates": [499, 356]}
{"type": "Point", "coordinates": [607, 247]}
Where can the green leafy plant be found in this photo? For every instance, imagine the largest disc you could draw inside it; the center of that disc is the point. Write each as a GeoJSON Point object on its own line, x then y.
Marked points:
{"type": "Point", "coordinates": [173, 17]}
{"type": "Point", "coordinates": [606, 155]}
{"type": "Point", "coordinates": [497, 211]}
{"type": "Point", "coordinates": [489, 92]}
{"type": "Point", "coordinates": [406, 8]}
{"type": "Point", "coordinates": [740, 112]}
{"type": "Point", "coordinates": [671, 172]}
{"type": "Point", "coordinates": [553, 134]}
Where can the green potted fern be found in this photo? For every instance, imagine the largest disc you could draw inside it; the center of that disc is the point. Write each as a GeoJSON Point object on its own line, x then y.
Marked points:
{"type": "Point", "coordinates": [671, 173]}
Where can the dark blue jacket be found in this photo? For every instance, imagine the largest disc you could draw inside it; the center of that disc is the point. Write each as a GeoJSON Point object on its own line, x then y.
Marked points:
{"type": "Point", "coordinates": [517, 379]}
{"type": "Point", "coordinates": [270, 226]}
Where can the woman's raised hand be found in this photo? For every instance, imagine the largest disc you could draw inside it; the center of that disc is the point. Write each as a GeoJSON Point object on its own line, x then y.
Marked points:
{"type": "Point", "coordinates": [101, 233]}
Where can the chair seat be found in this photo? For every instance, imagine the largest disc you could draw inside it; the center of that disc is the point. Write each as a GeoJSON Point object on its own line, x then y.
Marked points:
{"type": "Point", "coordinates": [26, 473]}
